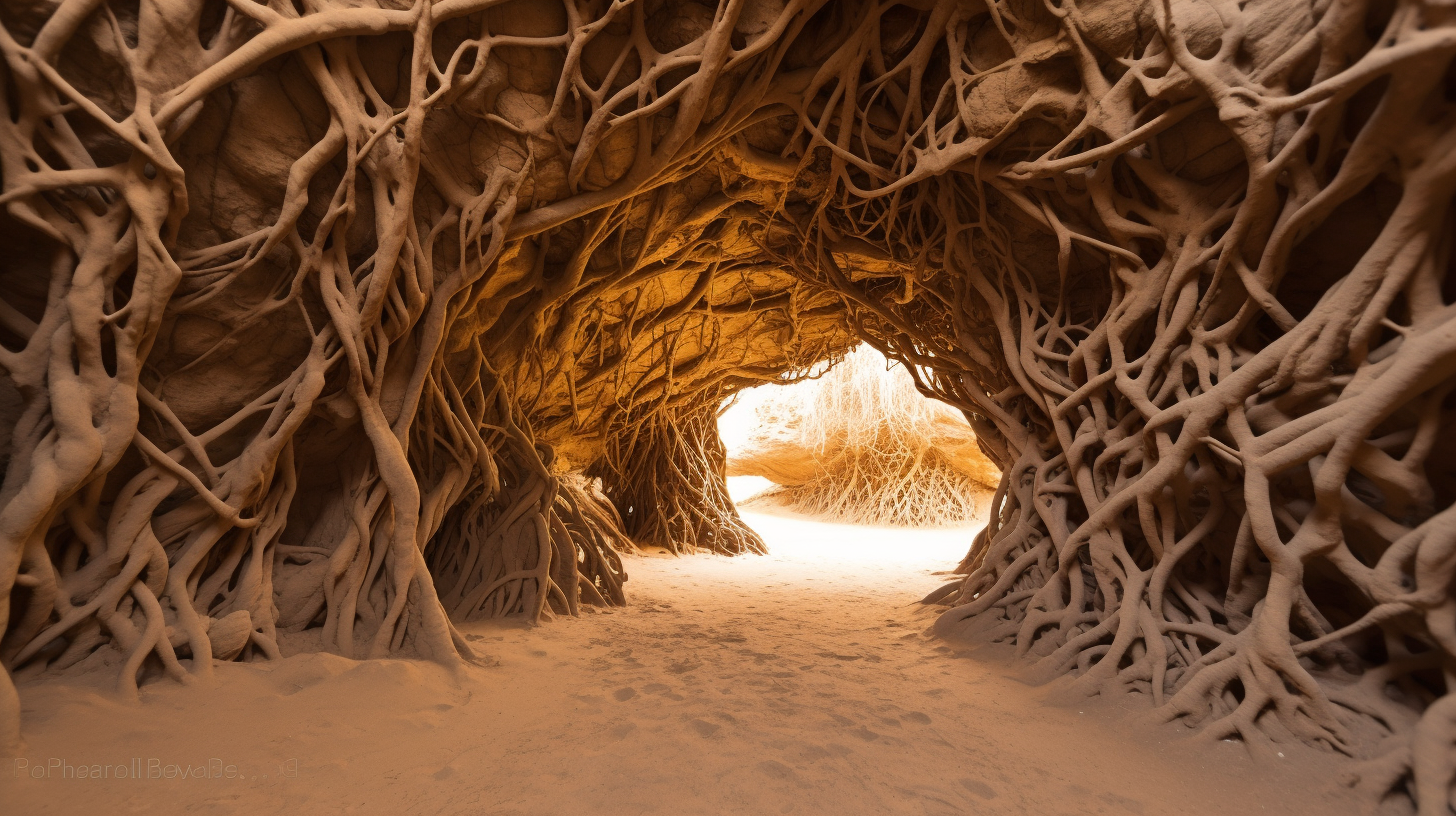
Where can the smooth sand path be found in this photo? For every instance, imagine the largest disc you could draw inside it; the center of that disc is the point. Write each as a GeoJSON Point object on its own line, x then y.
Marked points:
{"type": "Point", "coordinates": [799, 682]}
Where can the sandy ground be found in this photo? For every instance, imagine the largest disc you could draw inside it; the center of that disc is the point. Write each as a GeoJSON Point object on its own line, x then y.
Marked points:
{"type": "Point", "coordinates": [799, 682]}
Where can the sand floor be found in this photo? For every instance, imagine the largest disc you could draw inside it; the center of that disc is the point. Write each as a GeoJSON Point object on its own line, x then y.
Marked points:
{"type": "Point", "coordinates": [799, 682]}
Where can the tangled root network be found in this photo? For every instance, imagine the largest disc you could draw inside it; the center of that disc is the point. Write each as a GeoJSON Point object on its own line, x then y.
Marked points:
{"type": "Point", "coordinates": [667, 472]}
{"type": "Point", "coordinates": [861, 445]}
{"type": "Point", "coordinates": [311, 309]}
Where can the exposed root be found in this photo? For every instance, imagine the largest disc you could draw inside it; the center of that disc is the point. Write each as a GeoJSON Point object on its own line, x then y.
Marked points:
{"type": "Point", "coordinates": [667, 475]}
{"type": "Point", "coordinates": [538, 542]}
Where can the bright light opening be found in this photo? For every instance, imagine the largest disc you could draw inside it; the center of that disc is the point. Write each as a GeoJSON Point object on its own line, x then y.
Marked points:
{"type": "Point", "coordinates": [857, 445]}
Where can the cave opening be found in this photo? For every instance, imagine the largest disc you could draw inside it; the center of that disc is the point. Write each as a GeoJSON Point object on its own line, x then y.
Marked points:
{"type": "Point", "coordinates": [855, 445]}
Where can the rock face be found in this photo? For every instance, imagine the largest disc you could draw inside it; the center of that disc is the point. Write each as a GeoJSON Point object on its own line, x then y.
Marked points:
{"type": "Point", "coordinates": [860, 445]}
{"type": "Point", "coordinates": [776, 449]}
{"type": "Point", "coordinates": [306, 305]}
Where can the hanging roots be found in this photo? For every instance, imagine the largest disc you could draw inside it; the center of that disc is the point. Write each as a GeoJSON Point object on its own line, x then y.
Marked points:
{"type": "Point", "coordinates": [666, 472]}
{"type": "Point", "coordinates": [536, 542]}
{"type": "Point", "coordinates": [861, 446]}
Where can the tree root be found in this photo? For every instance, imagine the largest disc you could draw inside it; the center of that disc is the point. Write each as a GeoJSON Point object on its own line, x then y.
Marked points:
{"type": "Point", "coordinates": [666, 473]}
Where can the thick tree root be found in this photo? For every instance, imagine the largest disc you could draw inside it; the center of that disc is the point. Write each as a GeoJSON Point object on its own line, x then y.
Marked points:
{"type": "Point", "coordinates": [553, 547]}
{"type": "Point", "coordinates": [666, 472]}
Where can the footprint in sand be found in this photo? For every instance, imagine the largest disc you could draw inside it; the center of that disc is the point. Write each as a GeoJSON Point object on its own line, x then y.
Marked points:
{"type": "Point", "coordinates": [978, 788]}
{"type": "Point", "coordinates": [705, 728]}
{"type": "Point", "coordinates": [624, 694]}
{"type": "Point", "coordinates": [813, 752]}
{"type": "Point", "coordinates": [776, 769]}
{"type": "Point", "coordinates": [1122, 803]}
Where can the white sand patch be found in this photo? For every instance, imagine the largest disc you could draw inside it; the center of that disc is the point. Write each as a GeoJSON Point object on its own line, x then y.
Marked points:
{"type": "Point", "coordinates": [743, 488]}
{"type": "Point", "coordinates": [798, 682]}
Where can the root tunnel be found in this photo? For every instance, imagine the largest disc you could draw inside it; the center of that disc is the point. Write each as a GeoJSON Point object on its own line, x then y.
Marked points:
{"type": "Point", "coordinates": [334, 324]}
